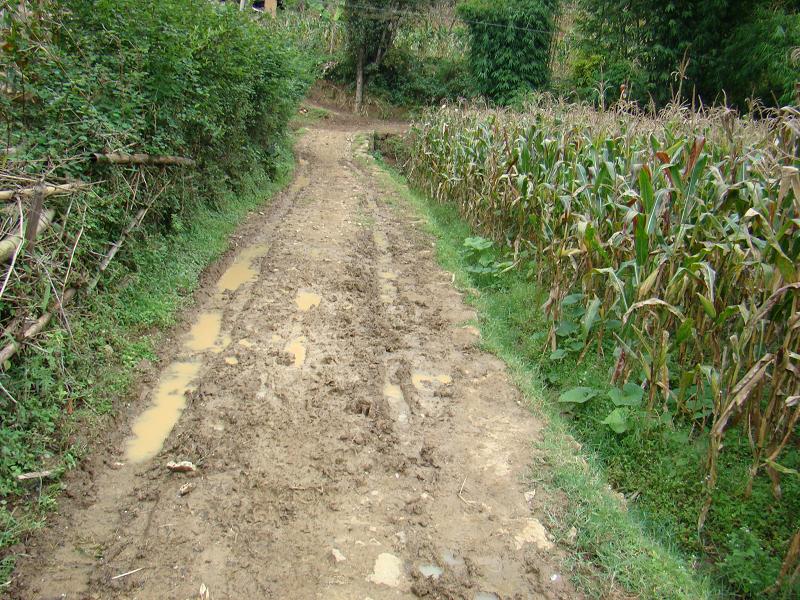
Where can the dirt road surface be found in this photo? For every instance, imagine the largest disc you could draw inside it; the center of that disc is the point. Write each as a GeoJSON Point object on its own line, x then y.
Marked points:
{"type": "Point", "coordinates": [350, 439]}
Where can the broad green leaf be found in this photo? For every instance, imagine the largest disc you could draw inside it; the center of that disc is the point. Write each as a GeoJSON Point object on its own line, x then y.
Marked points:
{"type": "Point", "coordinates": [590, 317]}
{"type": "Point", "coordinates": [685, 330]}
{"type": "Point", "coordinates": [571, 299]}
{"type": "Point", "coordinates": [630, 395]}
{"type": "Point", "coordinates": [646, 190]}
{"type": "Point", "coordinates": [577, 395]}
{"type": "Point", "coordinates": [707, 306]}
{"type": "Point", "coordinates": [566, 328]}
{"type": "Point", "coordinates": [617, 420]}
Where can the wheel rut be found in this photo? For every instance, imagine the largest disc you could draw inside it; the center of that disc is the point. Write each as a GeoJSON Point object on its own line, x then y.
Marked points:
{"type": "Point", "coordinates": [350, 439]}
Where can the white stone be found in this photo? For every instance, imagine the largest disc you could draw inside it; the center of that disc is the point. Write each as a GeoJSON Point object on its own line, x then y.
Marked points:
{"type": "Point", "coordinates": [533, 533]}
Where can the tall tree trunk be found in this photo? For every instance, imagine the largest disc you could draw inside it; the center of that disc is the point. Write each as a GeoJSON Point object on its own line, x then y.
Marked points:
{"type": "Point", "coordinates": [359, 80]}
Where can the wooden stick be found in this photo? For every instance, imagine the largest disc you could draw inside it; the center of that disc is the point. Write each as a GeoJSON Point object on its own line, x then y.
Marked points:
{"type": "Point", "coordinates": [119, 158]}
{"type": "Point", "coordinates": [135, 222]}
{"type": "Point", "coordinates": [34, 216]}
{"type": "Point", "coordinates": [34, 475]}
{"type": "Point", "coordinates": [12, 348]}
{"type": "Point", "coordinates": [9, 244]}
{"type": "Point", "coordinates": [46, 190]}
{"type": "Point", "coordinates": [121, 575]}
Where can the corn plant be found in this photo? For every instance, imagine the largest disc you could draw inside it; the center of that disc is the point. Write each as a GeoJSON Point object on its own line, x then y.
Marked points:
{"type": "Point", "coordinates": [681, 232]}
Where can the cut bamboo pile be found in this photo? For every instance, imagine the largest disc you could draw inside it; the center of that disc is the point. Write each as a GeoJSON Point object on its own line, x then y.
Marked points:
{"type": "Point", "coordinates": [37, 220]}
{"type": "Point", "coordinates": [45, 190]}
{"type": "Point", "coordinates": [118, 158]}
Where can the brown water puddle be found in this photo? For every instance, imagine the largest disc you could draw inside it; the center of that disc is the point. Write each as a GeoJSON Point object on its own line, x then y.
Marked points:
{"type": "Point", "coordinates": [204, 334]}
{"type": "Point", "coordinates": [153, 425]}
{"type": "Point", "coordinates": [418, 379]}
{"type": "Point", "coordinates": [307, 300]}
{"type": "Point", "coordinates": [297, 349]}
{"type": "Point", "coordinates": [242, 269]}
{"type": "Point", "coordinates": [397, 402]}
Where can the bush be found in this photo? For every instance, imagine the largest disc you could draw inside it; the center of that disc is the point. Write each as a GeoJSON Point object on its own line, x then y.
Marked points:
{"type": "Point", "coordinates": [509, 44]}
{"type": "Point", "coordinates": [176, 77]}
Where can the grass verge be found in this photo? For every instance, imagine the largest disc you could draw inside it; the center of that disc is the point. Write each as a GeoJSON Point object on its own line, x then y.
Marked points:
{"type": "Point", "coordinates": [615, 548]}
{"type": "Point", "coordinates": [109, 334]}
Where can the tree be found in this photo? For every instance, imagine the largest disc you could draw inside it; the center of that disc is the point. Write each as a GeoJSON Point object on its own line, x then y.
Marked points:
{"type": "Point", "coordinates": [510, 43]}
{"type": "Point", "coordinates": [371, 26]}
{"type": "Point", "coordinates": [684, 47]}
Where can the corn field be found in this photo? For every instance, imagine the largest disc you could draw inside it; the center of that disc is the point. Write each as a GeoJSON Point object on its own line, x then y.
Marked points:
{"type": "Point", "coordinates": [679, 234]}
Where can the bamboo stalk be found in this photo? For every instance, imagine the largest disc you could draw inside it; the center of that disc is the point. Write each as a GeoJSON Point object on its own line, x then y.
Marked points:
{"type": "Point", "coordinates": [119, 158]}
{"type": "Point", "coordinates": [34, 216]}
{"type": "Point", "coordinates": [135, 222]}
{"type": "Point", "coordinates": [46, 190]}
{"type": "Point", "coordinates": [13, 347]}
{"type": "Point", "coordinates": [9, 244]}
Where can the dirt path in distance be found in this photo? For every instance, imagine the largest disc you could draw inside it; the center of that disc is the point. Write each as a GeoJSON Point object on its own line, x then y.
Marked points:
{"type": "Point", "coordinates": [351, 441]}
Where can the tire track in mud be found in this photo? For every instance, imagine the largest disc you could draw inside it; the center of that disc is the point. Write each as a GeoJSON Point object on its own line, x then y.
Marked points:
{"type": "Point", "coordinates": [351, 439]}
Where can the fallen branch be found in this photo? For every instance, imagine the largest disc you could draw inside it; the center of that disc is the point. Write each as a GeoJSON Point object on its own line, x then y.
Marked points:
{"type": "Point", "coordinates": [13, 347]}
{"type": "Point", "coordinates": [46, 190]}
{"type": "Point", "coordinates": [135, 222]}
{"type": "Point", "coordinates": [121, 575]}
{"type": "Point", "coordinates": [10, 244]}
{"type": "Point", "coordinates": [118, 158]}
{"type": "Point", "coordinates": [34, 475]}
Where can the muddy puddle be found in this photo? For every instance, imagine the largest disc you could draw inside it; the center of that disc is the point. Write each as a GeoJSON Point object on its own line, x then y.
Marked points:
{"type": "Point", "coordinates": [297, 348]}
{"type": "Point", "coordinates": [204, 335]}
{"type": "Point", "coordinates": [306, 300]}
{"type": "Point", "coordinates": [242, 270]}
{"type": "Point", "coordinates": [397, 402]}
{"type": "Point", "coordinates": [169, 398]}
{"type": "Point", "coordinates": [153, 425]}
{"type": "Point", "coordinates": [422, 380]}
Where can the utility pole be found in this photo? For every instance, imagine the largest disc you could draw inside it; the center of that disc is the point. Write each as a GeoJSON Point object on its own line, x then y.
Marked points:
{"type": "Point", "coordinates": [242, 4]}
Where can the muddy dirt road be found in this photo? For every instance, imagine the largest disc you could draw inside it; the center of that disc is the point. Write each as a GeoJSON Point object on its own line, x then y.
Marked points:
{"type": "Point", "coordinates": [350, 439]}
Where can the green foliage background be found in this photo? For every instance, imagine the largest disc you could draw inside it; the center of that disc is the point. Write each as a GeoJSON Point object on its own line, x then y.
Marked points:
{"type": "Point", "coordinates": [718, 50]}
{"type": "Point", "coordinates": [510, 42]}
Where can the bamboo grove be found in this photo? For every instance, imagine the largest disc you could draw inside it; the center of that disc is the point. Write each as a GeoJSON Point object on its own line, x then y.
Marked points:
{"type": "Point", "coordinates": [679, 235]}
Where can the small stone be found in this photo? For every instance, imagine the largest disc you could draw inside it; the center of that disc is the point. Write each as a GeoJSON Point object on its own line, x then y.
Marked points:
{"type": "Point", "coordinates": [388, 571]}
{"type": "Point", "coordinates": [572, 535]}
{"type": "Point", "coordinates": [337, 555]}
{"type": "Point", "coordinates": [181, 467]}
{"type": "Point", "coordinates": [431, 571]}
{"type": "Point", "coordinates": [529, 496]}
{"type": "Point", "coordinates": [185, 489]}
{"type": "Point", "coordinates": [533, 533]}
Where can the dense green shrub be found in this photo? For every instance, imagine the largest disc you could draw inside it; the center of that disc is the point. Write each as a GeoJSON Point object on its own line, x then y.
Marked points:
{"type": "Point", "coordinates": [757, 59]}
{"type": "Point", "coordinates": [510, 44]}
{"type": "Point", "coordinates": [719, 50]}
{"type": "Point", "coordinates": [177, 77]}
